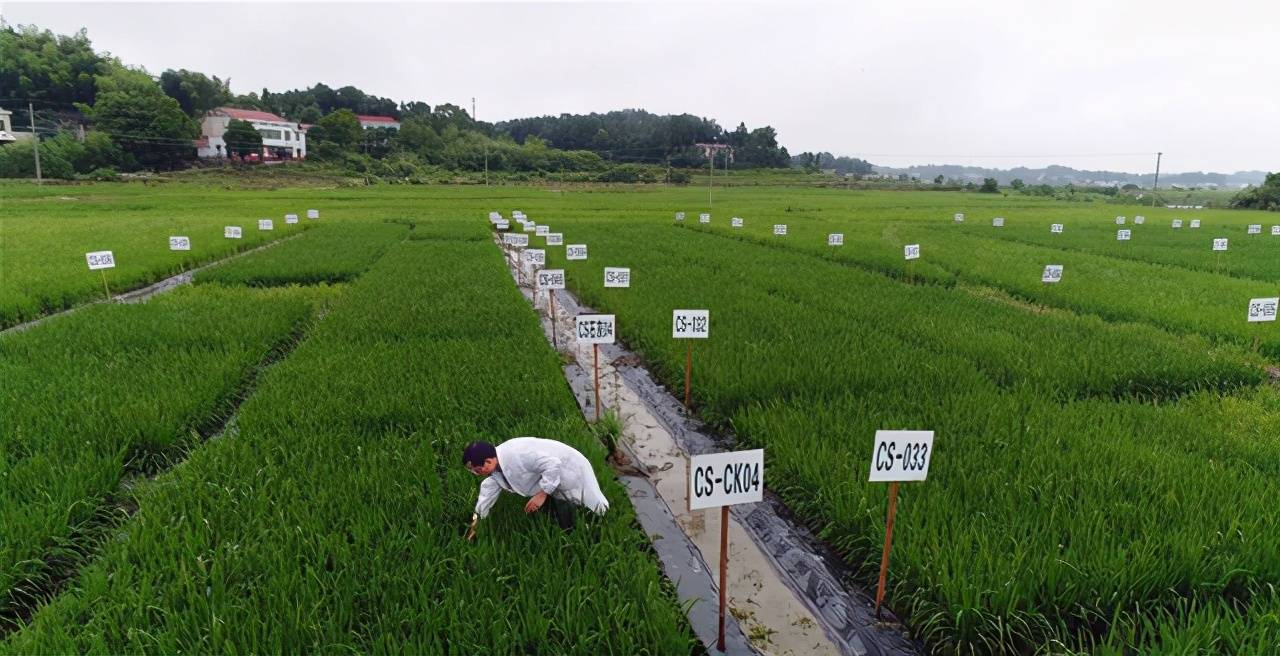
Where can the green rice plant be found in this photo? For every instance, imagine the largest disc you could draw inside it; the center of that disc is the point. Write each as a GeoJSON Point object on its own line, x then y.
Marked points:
{"type": "Point", "coordinates": [328, 253]}
{"type": "Point", "coordinates": [114, 391]}
{"type": "Point", "coordinates": [1083, 475]}
{"type": "Point", "coordinates": [333, 520]}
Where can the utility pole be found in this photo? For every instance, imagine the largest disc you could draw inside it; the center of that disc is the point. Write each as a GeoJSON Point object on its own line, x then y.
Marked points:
{"type": "Point", "coordinates": [486, 143]}
{"type": "Point", "coordinates": [711, 149]}
{"type": "Point", "coordinates": [35, 139]}
{"type": "Point", "coordinates": [1156, 185]}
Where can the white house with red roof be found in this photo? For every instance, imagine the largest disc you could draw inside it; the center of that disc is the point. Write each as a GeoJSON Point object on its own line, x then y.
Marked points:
{"type": "Point", "coordinates": [281, 138]}
{"type": "Point", "coordinates": [369, 122]}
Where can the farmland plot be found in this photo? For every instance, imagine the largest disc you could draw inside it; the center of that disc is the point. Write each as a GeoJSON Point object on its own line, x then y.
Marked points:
{"type": "Point", "coordinates": [117, 390]}
{"type": "Point", "coordinates": [333, 520]}
{"type": "Point", "coordinates": [1084, 492]}
{"type": "Point", "coordinates": [328, 253]}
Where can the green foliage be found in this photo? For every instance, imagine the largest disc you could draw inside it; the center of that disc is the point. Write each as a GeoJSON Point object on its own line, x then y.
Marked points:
{"type": "Point", "coordinates": [631, 173]}
{"type": "Point", "coordinates": [195, 92]}
{"type": "Point", "coordinates": [339, 132]}
{"type": "Point", "coordinates": [989, 186]}
{"type": "Point", "coordinates": [1017, 184]}
{"type": "Point", "coordinates": [148, 381]}
{"type": "Point", "coordinates": [58, 70]}
{"type": "Point", "coordinates": [1265, 197]}
{"type": "Point", "coordinates": [62, 156]}
{"type": "Point", "coordinates": [326, 253]}
{"type": "Point", "coordinates": [333, 519]}
{"type": "Point", "coordinates": [149, 126]}
{"type": "Point", "coordinates": [242, 139]}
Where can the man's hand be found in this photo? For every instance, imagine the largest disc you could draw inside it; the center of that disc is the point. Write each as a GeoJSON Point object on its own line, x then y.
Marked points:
{"type": "Point", "coordinates": [536, 502]}
{"type": "Point", "coordinates": [471, 531]}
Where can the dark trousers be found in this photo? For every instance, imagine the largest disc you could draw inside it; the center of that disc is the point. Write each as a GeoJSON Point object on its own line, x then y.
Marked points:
{"type": "Point", "coordinates": [560, 511]}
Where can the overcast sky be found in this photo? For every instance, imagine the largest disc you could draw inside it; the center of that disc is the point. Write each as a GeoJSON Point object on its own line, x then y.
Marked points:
{"type": "Point", "coordinates": [1086, 84]}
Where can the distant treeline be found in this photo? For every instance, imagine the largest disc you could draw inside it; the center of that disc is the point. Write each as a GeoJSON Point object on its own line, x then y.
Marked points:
{"type": "Point", "coordinates": [137, 122]}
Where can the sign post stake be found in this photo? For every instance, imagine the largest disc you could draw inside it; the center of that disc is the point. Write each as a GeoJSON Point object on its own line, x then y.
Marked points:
{"type": "Point", "coordinates": [104, 283]}
{"type": "Point", "coordinates": [720, 480]}
{"type": "Point", "coordinates": [551, 300]}
{"type": "Point", "coordinates": [688, 372]}
{"type": "Point", "coordinates": [888, 543]}
{"type": "Point", "coordinates": [897, 455]}
{"type": "Point", "coordinates": [724, 569]}
{"type": "Point", "coordinates": [596, 329]}
{"type": "Point", "coordinates": [690, 324]}
{"type": "Point", "coordinates": [595, 367]}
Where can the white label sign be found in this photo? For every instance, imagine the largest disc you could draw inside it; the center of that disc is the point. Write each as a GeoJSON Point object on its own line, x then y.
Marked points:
{"type": "Point", "coordinates": [1052, 273]}
{"type": "Point", "coordinates": [690, 324]}
{"type": "Point", "coordinates": [1220, 244]}
{"type": "Point", "coordinates": [735, 222]}
{"type": "Point", "coordinates": [1119, 220]}
{"type": "Point", "coordinates": [231, 232]}
{"type": "Point", "coordinates": [595, 328]}
{"type": "Point", "coordinates": [997, 222]}
{"type": "Point", "coordinates": [704, 218]}
{"type": "Point", "coordinates": [536, 256]}
{"type": "Point", "coordinates": [313, 214]}
{"type": "Point", "coordinates": [617, 277]}
{"type": "Point", "coordinates": [495, 216]}
{"type": "Point", "coordinates": [542, 230]}
{"type": "Point", "coordinates": [575, 252]}
{"type": "Point", "coordinates": [1122, 235]}
{"type": "Point", "coordinates": [1275, 231]}
{"type": "Point", "coordinates": [959, 217]}
{"type": "Point", "coordinates": [1195, 223]}
{"type": "Point", "coordinates": [555, 238]}
{"type": "Point", "coordinates": [1139, 220]}
{"type": "Point", "coordinates": [551, 279]}
{"type": "Point", "coordinates": [1056, 228]}
{"type": "Point", "coordinates": [679, 216]}
{"type": "Point", "coordinates": [835, 239]}
{"type": "Point", "coordinates": [1262, 309]}
{"type": "Point", "coordinates": [911, 251]}
{"type": "Point", "coordinates": [1255, 229]}
{"type": "Point", "coordinates": [518, 240]}
{"type": "Point", "coordinates": [100, 260]}
{"type": "Point", "coordinates": [780, 229]}
{"type": "Point", "coordinates": [1177, 223]}
{"type": "Point", "coordinates": [530, 227]}
{"type": "Point", "coordinates": [291, 218]}
{"type": "Point", "coordinates": [517, 214]}
{"type": "Point", "coordinates": [266, 224]}
{"type": "Point", "coordinates": [901, 456]}
{"type": "Point", "coordinates": [502, 225]}
{"type": "Point", "coordinates": [726, 479]}
{"type": "Point", "coordinates": [179, 243]}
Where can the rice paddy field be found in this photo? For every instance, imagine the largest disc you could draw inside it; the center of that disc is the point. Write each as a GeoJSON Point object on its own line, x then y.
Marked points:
{"type": "Point", "coordinates": [267, 460]}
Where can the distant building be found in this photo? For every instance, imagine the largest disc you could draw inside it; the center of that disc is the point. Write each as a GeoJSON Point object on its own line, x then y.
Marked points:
{"type": "Point", "coordinates": [281, 138]}
{"type": "Point", "coordinates": [370, 122]}
{"type": "Point", "coordinates": [6, 130]}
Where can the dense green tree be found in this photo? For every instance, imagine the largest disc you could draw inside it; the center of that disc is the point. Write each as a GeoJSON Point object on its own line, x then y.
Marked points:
{"type": "Point", "coordinates": [242, 139]}
{"type": "Point", "coordinates": [342, 128]}
{"type": "Point", "coordinates": [938, 180]}
{"type": "Point", "coordinates": [1018, 184]}
{"type": "Point", "coordinates": [53, 69]}
{"type": "Point", "coordinates": [195, 92]}
{"type": "Point", "coordinates": [1264, 197]}
{"type": "Point", "coordinates": [989, 186]}
{"type": "Point", "coordinates": [149, 126]}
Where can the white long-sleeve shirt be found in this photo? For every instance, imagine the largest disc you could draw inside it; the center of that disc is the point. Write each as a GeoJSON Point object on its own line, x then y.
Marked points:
{"type": "Point", "coordinates": [528, 465]}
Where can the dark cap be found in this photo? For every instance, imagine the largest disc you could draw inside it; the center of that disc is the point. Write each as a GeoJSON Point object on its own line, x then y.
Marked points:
{"type": "Point", "coordinates": [477, 452]}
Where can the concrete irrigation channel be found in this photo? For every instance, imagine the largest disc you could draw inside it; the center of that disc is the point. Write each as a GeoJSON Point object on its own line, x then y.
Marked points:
{"type": "Point", "coordinates": [786, 591]}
